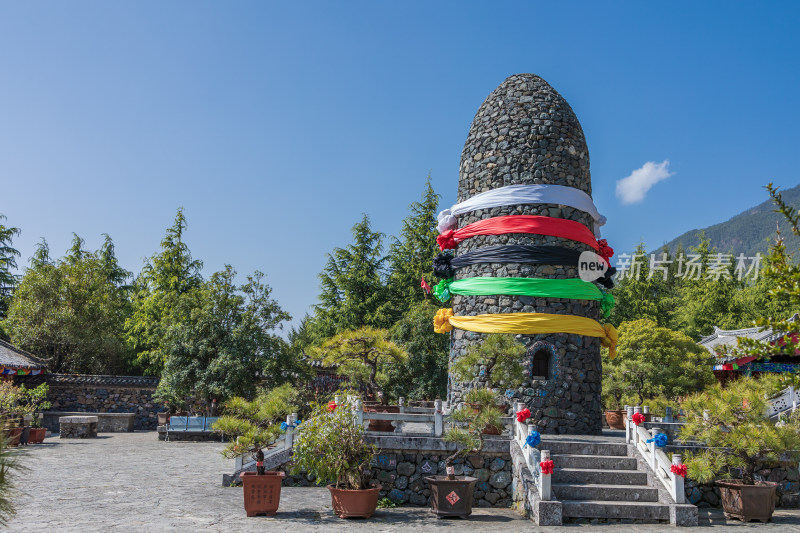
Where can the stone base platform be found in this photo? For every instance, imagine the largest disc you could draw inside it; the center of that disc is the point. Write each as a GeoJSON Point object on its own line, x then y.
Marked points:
{"type": "Point", "coordinates": [106, 422]}
{"type": "Point", "coordinates": [78, 427]}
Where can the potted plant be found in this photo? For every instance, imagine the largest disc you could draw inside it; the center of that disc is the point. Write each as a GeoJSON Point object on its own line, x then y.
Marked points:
{"type": "Point", "coordinates": [330, 446]}
{"type": "Point", "coordinates": [733, 423]}
{"type": "Point", "coordinates": [364, 355]}
{"type": "Point", "coordinates": [452, 495]}
{"type": "Point", "coordinates": [253, 426]}
{"type": "Point", "coordinates": [10, 397]}
{"type": "Point", "coordinates": [613, 392]}
{"type": "Point", "coordinates": [36, 402]}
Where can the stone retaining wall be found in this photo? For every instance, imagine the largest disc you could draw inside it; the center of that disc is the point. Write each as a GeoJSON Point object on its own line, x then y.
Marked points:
{"type": "Point", "coordinates": [402, 476]}
{"type": "Point", "coordinates": [106, 394]}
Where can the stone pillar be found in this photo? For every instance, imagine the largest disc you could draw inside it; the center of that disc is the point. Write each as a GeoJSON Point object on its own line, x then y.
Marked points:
{"type": "Point", "coordinates": [525, 132]}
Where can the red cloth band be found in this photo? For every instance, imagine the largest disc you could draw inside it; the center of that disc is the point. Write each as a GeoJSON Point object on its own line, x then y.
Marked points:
{"type": "Point", "coordinates": [539, 225]}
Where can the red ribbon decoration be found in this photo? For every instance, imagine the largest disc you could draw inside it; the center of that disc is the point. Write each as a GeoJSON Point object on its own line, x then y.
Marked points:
{"type": "Point", "coordinates": [638, 418]}
{"type": "Point", "coordinates": [523, 415]}
{"type": "Point", "coordinates": [546, 467]}
{"type": "Point", "coordinates": [678, 469]}
{"type": "Point", "coordinates": [332, 406]}
{"type": "Point", "coordinates": [536, 224]}
{"type": "Point", "coordinates": [259, 463]}
{"type": "Point", "coordinates": [425, 286]}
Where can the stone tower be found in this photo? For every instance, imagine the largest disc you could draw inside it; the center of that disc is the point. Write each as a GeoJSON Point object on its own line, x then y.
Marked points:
{"type": "Point", "coordinates": [526, 133]}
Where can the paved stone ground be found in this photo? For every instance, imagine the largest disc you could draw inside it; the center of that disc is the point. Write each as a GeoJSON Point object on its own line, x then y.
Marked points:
{"type": "Point", "coordinates": [133, 482]}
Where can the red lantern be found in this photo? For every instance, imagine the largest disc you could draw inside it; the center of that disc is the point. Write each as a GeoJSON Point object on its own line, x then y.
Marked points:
{"type": "Point", "coordinates": [638, 418]}
{"type": "Point", "coordinates": [546, 467]}
{"type": "Point", "coordinates": [523, 415]}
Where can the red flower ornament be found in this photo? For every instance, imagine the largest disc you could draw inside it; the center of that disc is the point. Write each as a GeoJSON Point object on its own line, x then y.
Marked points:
{"type": "Point", "coordinates": [331, 406]}
{"type": "Point", "coordinates": [523, 415]}
{"type": "Point", "coordinates": [638, 418]}
{"type": "Point", "coordinates": [679, 470]}
{"type": "Point", "coordinates": [546, 467]}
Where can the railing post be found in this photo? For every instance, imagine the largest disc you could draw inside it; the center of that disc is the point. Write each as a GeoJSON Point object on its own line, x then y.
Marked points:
{"type": "Point", "coordinates": [545, 488]}
{"type": "Point", "coordinates": [628, 423]}
{"type": "Point", "coordinates": [668, 415]}
{"type": "Point", "coordinates": [337, 400]}
{"type": "Point", "coordinates": [706, 415]}
{"type": "Point", "coordinates": [438, 424]}
{"type": "Point", "coordinates": [652, 447]}
{"type": "Point", "coordinates": [677, 482]}
{"type": "Point", "coordinates": [289, 438]}
{"type": "Point", "coordinates": [792, 397]}
{"type": "Point", "coordinates": [402, 403]}
{"type": "Point", "coordinates": [359, 412]}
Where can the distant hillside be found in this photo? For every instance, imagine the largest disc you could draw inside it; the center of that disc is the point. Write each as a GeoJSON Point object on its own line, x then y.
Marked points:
{"type": "Point", "coordinates": [748, 232]}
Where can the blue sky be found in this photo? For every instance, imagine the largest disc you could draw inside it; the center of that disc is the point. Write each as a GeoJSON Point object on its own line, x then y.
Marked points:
{"type": "Point", "coordinates": [275, 125]}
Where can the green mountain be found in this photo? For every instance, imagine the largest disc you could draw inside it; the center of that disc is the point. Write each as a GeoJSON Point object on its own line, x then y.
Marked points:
{"type": "Point", "coordinates": [748, 232]}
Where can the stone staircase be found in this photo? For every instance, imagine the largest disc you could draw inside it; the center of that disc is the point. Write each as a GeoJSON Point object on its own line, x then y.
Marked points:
{"type": "Point", "coordinates": [598, 481]}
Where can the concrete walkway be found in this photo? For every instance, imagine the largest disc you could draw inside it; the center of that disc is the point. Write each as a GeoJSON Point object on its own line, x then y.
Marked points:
{"type": "Point", "coordinates": [133, 482]}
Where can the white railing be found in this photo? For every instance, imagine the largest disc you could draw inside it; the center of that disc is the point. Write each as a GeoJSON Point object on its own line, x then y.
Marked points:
{"type": "Point", "coordinates": [655, 457]}
{"type": "Point", "coordinates": [284, 442]}
{"type": "Point", "coordinates": [533, 456]}
{"type": "Point", "coordinates": [786, 400]}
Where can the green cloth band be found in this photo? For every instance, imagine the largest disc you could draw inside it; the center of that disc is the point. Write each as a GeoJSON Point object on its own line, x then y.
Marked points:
{"type": "Point", "coordinates": [573, 289]}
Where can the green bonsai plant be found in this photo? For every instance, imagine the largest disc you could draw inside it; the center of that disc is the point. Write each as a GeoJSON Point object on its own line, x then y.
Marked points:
{"type": "Point", "coordinates": [330, 446]}
{"type": "Point", "coordinates": [36, 402]}
{"type": "Point", "coordinates": [737, 431]}
{"type": "Point", "coordinates": [254, 425]}
{"type": "Point", "coordinates": [10, 397]}
{"type": "Point", "coordinates": [363, 355]}
{"type": "Point", "coordinates": [473, 419]}
{"type": "Point", "coordinates": [498, 361]}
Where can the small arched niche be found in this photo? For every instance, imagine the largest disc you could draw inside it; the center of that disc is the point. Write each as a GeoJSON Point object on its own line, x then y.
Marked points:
{"type": "Point", "coordinates": [542, 355]}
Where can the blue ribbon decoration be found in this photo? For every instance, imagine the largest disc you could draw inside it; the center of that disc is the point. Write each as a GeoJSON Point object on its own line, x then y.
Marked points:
{"type": "Point", "coordinates": [284, 426]}
{"type": "Point", "coordinates": [660, 439]}
{"type": "Point", "coordinates": [533, 439]}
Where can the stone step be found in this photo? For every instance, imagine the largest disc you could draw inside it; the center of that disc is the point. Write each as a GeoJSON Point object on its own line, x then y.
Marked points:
{"type": "Point", "coordinates": [562, 447]}
{"type": "Point", "coordinates": [595, 462]}
{"type": "Point", "coordinates": [617, 493]}
{"type": "Point", "coordinates": [594, 477]}
{"type": "Point", "coordinates": [615, 510]}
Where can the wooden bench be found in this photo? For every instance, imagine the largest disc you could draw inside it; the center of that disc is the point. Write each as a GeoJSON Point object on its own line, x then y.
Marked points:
{"type": "Point", "coordinates": [77, 427]}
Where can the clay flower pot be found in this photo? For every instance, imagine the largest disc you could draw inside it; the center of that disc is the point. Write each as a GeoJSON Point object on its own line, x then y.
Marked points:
{"type": "Point", "coordinates": [747, 502]}
{"type": "Point", "coordinates": [262, 494]}
{"type": "Point", "coordinates": [354, 503]}
{"type": "Point", "coordinates": [451, 497]}
{"type": "Point", "coordinates": [616, 419]}
{"type": "Point", "coordinates": [37, 435]}
{"type": "Point", "coordinates": [13, 435]}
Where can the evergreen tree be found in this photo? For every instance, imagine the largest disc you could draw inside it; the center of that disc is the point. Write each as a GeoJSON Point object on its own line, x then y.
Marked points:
{"type": "Point", "coordinates": [352, 283]}
{"type": "Point", "coordinates": [71, 313]}
{"type": "Point", "coordinates": [643, 292]}
{"type": "Point", "coordinates": [167, 278]}
{"type": "Point", "coordinates": [411, 255]}
{"type": "Point", "coordinates": [8, 263]}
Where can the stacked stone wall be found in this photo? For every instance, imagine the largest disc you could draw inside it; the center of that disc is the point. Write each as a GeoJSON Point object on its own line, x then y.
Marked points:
{"type": "Point", "coordinates": [526, 133]}
{"type": "Point", "coordinates": [402, 476]}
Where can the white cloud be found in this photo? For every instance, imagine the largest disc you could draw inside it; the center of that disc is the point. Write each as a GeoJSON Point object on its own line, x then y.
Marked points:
{"type": "Point", "coordinates": [633, 188]}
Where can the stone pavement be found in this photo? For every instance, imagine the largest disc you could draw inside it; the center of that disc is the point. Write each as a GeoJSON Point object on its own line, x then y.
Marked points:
{"type": "Point", "coordinates": [133, 482]}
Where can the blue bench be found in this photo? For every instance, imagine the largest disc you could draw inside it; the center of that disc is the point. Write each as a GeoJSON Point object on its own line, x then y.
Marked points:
{"type": "Point", "coordinates": [191, 424]}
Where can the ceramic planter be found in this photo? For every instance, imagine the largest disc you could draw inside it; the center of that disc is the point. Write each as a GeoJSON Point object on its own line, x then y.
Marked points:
{"type": "Point", "coordinates": [37, 435]}
{"type": "Point", "coordinates": [616, 419]}
{"type": "Point", "coordinates": [262, 494]}
{"type": "Point", "coordinates": [12, 436]}
{"type": "Point", "coordinates": [747, 502]}
{"type": "Point", "coordinates": [354, 503]}
{"type": "Point", "coordinates": [451, 497]}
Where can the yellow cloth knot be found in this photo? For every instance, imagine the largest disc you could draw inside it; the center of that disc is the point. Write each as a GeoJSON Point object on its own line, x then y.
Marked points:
{"type": "Point", "coordinates": [441, 322]}
{"type": "Point", "coordinates": [610, 340]}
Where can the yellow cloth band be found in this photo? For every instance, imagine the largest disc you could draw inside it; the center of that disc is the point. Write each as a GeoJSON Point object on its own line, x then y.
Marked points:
{"type": "Point", "coordinates": [531, 324]}
{"type": "Point", "coordinates": [441, 322]}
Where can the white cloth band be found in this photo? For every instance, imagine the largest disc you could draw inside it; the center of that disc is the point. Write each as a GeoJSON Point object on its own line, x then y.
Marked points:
{"type": "Point", "coordinates": [523, 194]}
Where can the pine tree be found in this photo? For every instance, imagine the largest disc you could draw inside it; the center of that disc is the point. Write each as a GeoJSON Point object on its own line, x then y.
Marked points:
{"type": "Point", "coordinates": [166, 278]}
{"type": "Point", "coordinates": [352, 284]}
{"type": "Point", "coordinates": [411, 255]}
{"type": "Point", "coordinates": [8, 263]}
